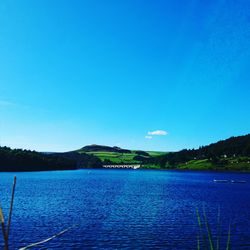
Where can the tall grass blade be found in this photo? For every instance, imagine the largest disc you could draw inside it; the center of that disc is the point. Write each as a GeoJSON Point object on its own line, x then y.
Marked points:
{"type": "Point", "coordinates": [48, 239]}
{"type": "Point", "coordinates": [201, 231]}
{"type": "Point", "coordinates": [229, 237]}
{"type": "Point", "coordinates": [11, 206]}
{"type": "Point", "coordinates": [3, 228]}
{"type": "Point", "coordinates": [198, 218]}
{"type": "Point", "coordinates": [198, 242]}
{"type": "Point", "coordinates": [1, 215]}
{"type": "Point", "coordinates": [218, 229]}
{"type": "Point", "coordinates": [2, 224]}
{"type": "Point", "coordinates": [208, 230]}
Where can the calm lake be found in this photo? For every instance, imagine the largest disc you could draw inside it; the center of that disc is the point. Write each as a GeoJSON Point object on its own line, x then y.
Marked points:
{"type": "Point", "coordinates": [125, 209]}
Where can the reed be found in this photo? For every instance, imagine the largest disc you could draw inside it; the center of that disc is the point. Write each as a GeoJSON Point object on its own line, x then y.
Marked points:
{"type": "Point", "coordinates": [6, 231]}
{"type": "Point", "coordinates": [201, 230]}
{"type": "Point", "coordinates": [218, 229]}
{"type": "Point", "coordinates": [229, 237]}
{"type": "Point", "coordinates": [209, 241]}
{"type": "Point", "coordinates": [48, 239]}
{"type": "Point", "coordinates": [3, 228]}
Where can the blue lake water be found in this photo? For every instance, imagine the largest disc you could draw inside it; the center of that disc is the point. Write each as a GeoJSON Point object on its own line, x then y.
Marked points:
{"type": "Point", "coordinates": [125, 209]}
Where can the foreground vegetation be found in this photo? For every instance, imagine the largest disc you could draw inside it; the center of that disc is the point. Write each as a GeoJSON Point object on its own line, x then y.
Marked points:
{"type": "Point", "coordinates": [205, 237]}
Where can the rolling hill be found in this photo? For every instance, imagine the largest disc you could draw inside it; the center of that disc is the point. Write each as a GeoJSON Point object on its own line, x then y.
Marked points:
{"type": "Point", "coordinates": [117, 155]}
{"type": "Point", "coordinates": [15, 160]}
{"type": "Point", "coordinates": [230, 154]}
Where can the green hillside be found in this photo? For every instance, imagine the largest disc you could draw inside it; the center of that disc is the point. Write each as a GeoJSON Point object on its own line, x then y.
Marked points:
{"type": "Point", "coordinates": [116, 155]}
{"type": "Point", "coordinates": [229, 154]}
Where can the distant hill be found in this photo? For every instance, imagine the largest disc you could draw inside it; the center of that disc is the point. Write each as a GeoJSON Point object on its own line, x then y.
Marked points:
{"type": "Point", "coordinates": [92, 156]}
{"type": "Point", "coordinates": [26, 160]}
{"type": "Point", "coordinates": [101, 148]}
{"type": "Point", "coordinates": [13, 160]}
{"type": "Point", "coordinates": [229, 154]}
{"type": "Point", "coordinates": [232, 154]}
{"type": "Point", "coordinates": [117, 155]}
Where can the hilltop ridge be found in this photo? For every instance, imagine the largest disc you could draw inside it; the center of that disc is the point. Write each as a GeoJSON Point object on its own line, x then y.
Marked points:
{"type": "Point", "coordinates": [117, 155]}
{"type": "Point", "coordinates": [103, 148]}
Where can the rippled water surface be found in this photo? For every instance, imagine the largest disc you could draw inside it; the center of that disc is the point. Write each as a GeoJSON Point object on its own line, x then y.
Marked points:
{"type": "Point", "coordinates": [132, 209]}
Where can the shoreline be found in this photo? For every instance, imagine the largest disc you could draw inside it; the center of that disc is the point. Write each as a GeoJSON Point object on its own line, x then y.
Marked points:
{"type": "Point", "coordinates": [140, 169]}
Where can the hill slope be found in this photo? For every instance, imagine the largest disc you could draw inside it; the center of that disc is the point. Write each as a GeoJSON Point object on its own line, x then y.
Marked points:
{"type": "Point", "coordinates": [232, 154]}
{"type": "Point", "coordinates": [229, 154]}
{"type": "Point", "coordinates": [116, 155]}
{"type": "Point", "coordinates": [26, 160]}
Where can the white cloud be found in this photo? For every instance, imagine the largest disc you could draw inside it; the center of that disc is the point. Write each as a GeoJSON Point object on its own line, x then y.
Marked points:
{"type": "Point", "coordinates": [148, 137]}
{"type": "Point", "coordinates": [158, 132]}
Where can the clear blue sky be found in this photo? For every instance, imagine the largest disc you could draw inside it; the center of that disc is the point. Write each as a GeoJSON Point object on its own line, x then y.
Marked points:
{"type": "Point", "coordinates": [74, 73]}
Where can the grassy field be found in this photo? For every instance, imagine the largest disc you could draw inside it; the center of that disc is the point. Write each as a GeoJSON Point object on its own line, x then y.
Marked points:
{"type": "Point", "coordinates": [237, 164]}
{"type": "Point", "coordinates": [155, 153]}
{"type": "Point", "coordinates": [117, 158]}
{"type": "Point", "coordinates": [197, 165]}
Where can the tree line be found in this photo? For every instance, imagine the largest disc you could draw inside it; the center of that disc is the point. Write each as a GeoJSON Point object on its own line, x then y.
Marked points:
{"type": "Point", "coordinates": [26, 160]}
{"type": "Point", "coordinates": [217, 153]}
